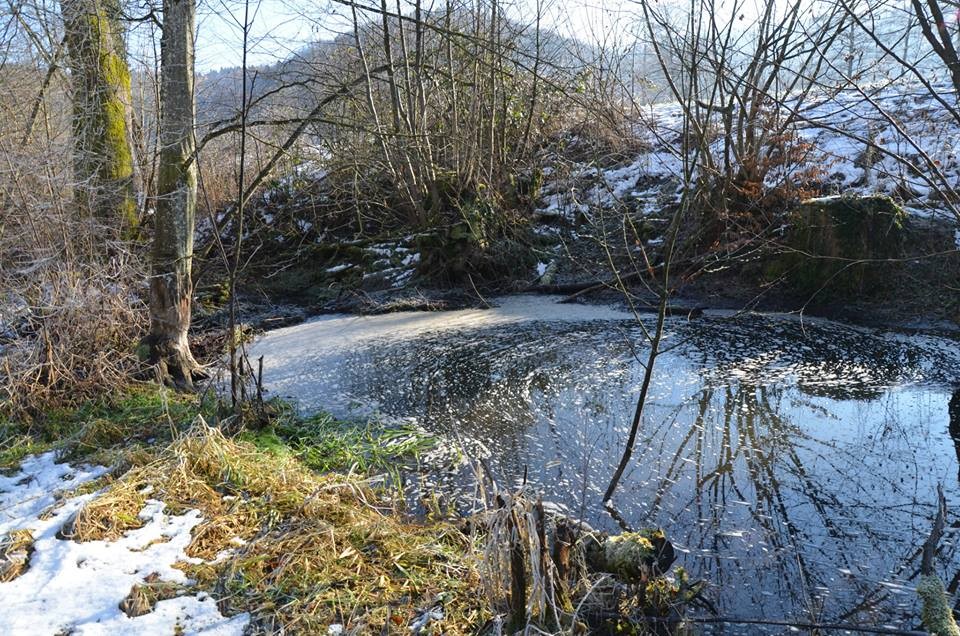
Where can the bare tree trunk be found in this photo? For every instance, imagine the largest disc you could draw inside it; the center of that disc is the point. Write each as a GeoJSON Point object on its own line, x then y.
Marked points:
{"type": "Point", "coordinates": [236, 358]}
{"type": "Point", "coordinates": [170, 283]}
{"type": "Point", "coordinates": [103, 159]}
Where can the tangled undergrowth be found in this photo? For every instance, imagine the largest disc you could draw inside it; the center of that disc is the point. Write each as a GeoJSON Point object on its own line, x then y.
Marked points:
{"type": "Point", "coordinates": [70, 317]}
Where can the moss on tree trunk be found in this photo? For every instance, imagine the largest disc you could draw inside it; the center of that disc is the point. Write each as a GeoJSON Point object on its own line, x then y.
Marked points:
{"type": "Point", "coordinates": [103, 157]}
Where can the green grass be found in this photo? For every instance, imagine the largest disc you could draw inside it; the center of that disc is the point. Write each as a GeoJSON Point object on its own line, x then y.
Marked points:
{"type": "Point", "coordinates": [138, 413]}
{"type": "Point", "coordinates": [325, 444]}
{"type": "Point", "coordinates": [15, 445]}
{"type": "Point", "coordinates": [150, 414]}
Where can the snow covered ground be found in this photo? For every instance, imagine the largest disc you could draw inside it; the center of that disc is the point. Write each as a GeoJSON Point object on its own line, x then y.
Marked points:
{"type": "Point", "coordinates": [918, 144]}
{"type": "Point", "coordinates": [76, 588]}
{"type": "Point", "coordinates": [897, 140]}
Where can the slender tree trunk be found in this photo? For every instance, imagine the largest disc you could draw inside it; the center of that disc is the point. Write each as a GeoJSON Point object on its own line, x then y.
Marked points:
{"type": "Point", "coordinates": [937, 34]}
{"type": "Point", "coordinates": [103, 157]}
{"type": "Point", "coordinates": [171, 286]}
{"type": "Point", "coordinates": [236, 374]}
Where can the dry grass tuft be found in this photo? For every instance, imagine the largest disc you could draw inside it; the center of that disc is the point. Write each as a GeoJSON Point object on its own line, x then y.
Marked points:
{"type": "Point", "coordinates": [378, 574]}
{"type": "Point", "coordinates": [231, 529]}
{"type": "Point", "coordinates": [108, 516]}
{"type": "Point", "coordinates": [137, 602]}
{"type": "Point", "coordinates": [143, 598]}
{"type": "Point", "coordinates": [15, 550]}
{"type": "Point", "coordinates": [300, 549]}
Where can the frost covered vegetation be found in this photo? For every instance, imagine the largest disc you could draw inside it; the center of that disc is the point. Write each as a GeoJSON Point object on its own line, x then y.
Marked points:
{"type": "Point", "coordinates": [153, 220]}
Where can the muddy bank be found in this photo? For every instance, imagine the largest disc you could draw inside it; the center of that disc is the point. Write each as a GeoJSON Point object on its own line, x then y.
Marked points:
{"type": "Point", "coordinates": [910, 293]}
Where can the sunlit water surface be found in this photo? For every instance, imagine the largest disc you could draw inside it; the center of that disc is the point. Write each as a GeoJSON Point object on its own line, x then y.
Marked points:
{"type": "Point", "coordinates": [793, 463]}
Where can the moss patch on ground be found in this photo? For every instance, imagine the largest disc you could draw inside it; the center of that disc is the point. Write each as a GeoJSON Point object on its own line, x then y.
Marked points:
{"type": "Point", "coordinates": [137, 416]}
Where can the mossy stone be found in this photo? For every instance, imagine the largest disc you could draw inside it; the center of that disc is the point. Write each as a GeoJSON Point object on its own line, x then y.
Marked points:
{"type": "Point", "coordinates": [637, 556]}
{"type": "Point", "coordinates": [837, 245]}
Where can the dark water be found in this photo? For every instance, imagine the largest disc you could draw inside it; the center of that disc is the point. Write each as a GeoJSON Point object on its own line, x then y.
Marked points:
{"type": "Point", "coordinates": [794, 464]}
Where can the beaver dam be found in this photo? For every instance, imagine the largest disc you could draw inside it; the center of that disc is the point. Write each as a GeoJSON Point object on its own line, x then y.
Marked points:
{"type": "Point", "coordinates": [792, 462]}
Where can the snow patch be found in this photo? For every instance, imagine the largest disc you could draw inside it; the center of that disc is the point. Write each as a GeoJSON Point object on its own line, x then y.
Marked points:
{"type": "Point", "coordinates": [76, 588]}
{"type": "Point", "coordinates": [650, 180]}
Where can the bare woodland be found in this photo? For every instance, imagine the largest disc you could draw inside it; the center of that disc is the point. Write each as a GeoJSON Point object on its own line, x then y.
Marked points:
{"type": "Point", "coordinates": [146, 204]}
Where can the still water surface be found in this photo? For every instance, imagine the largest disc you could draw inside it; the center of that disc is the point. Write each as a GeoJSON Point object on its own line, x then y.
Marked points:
{"type": "Point", "coordinates": [793, 463]}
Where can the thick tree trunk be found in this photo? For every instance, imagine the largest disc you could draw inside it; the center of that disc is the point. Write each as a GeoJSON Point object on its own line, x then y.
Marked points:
{"type": "Point", "coordinates": [171, 286]}
{"type": "Point", "coordinates": [103, 157]}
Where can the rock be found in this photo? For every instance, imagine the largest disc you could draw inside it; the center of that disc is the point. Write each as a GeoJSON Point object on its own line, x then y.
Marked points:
{"type": "Point", "coordinates": [827, 236]}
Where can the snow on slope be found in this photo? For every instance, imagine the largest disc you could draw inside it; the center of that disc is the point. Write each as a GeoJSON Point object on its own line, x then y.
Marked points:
{"type": "Point", "coordinates": [904, 121]}
{"type": "Point", "coordinates": [76, 588]}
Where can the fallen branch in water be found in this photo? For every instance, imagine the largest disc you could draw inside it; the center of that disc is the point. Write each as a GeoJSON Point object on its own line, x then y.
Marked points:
{"type": "Point", "coordinates": [936, 614]}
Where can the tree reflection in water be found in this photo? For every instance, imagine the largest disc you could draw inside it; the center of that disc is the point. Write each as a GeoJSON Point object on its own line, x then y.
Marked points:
{"type": "Point", "coordinates": [794, 466]}
{"type": "Point", "coordinates": [954, 409]}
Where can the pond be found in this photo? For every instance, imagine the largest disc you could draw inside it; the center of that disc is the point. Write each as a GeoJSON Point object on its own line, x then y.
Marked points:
{"type": "Point", "coordinates": [794, 462]}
